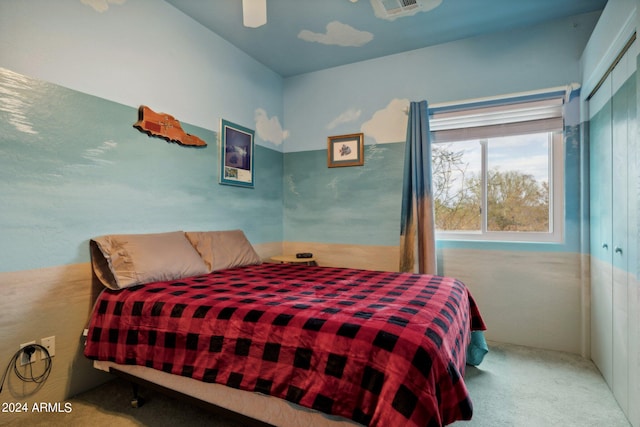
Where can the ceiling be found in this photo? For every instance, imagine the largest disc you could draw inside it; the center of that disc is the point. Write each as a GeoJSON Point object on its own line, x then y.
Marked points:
{"type": "Point", "coordinates": [308, 35]}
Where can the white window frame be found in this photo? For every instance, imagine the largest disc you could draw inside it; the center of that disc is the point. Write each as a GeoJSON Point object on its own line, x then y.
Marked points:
{"type": "Point", "coordinates": [471, 124]}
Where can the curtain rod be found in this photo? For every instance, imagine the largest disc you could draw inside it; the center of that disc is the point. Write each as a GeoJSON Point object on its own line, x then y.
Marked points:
{"type": "Point", "coordinates": [567, 89]}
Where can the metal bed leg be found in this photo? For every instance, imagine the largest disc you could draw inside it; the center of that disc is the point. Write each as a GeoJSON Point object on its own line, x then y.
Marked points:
{"type": "Point", "coordinates": [137, 400]}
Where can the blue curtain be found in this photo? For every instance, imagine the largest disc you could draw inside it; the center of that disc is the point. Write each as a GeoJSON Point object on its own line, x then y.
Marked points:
{"type": "Point", "coordinates": [417, 231]}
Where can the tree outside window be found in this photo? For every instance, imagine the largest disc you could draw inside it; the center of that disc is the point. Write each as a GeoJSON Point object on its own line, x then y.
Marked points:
{"type": "Point", "coordinates": [494, 185]}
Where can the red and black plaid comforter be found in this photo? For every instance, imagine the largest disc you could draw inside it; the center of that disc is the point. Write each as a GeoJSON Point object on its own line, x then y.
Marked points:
{"type": "Point", "coordinates": [381, 348]}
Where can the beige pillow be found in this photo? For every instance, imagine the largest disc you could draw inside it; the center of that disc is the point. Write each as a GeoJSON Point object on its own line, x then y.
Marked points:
{"type": "Point", "coordinates": [223, 249]}
{"type": "Point", "coordinates": [123, 260]}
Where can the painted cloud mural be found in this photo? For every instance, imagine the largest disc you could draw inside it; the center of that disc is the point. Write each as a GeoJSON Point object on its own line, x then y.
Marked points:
{"type": "Point", "coordinates": [338, 34]}
{"type": "Point", "coordinates": [269, 129]}
{"type": "Point", "coordinates": [389, 124]}
{"type": "Point", "coordinates": [101, 5]}
{"type": "Point", "coordinates": [349, 115]}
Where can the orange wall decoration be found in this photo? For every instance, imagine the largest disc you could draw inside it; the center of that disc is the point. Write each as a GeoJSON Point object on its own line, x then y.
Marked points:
{"type": "Point", "coordinates": [164, 126]}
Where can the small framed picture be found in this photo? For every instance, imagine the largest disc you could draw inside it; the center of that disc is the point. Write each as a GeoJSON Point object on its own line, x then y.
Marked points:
{"type": "Point", "coordinates": [236, 154]}
{"type": "Point", "coordinates": [345, 150]}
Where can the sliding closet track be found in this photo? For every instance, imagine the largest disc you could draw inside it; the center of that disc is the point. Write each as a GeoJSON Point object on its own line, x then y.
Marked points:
{"type": "Point", "coordinates": [613, 65]}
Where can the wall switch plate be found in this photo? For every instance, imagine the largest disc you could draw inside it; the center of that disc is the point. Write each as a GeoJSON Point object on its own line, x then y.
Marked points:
{"type": "Point", "coordinates": [50, 344]}
{"type": "Point", "coordinates": [24, 359]}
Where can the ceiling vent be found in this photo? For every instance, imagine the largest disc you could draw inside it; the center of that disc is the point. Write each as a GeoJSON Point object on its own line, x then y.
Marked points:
{"type": "Point", "coordinates": [392, 9]}
{"type": "Point", "coordinates": [395, 7]}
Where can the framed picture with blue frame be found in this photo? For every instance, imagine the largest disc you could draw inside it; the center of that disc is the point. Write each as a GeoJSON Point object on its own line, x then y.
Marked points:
{"type": "Point", "coordinates": [236, 154]}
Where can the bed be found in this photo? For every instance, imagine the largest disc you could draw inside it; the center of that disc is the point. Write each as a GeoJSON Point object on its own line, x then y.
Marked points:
{"type": "Point", "coordinates": [371, 347]}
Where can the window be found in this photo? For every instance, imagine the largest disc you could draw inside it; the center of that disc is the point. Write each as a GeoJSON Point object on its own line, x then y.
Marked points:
{"type": "Point", "coordinates": [498, 172]}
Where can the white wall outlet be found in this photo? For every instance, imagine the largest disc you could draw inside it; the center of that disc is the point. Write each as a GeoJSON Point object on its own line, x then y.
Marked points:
{"type": "Point", "coordinates": [24, 359]}
{"type": "Point", "coordinates": [50, 344]}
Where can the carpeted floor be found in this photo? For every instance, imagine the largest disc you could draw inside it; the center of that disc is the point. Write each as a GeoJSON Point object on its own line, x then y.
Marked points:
{"type": "Point", "coordinates": [520, 386]}
{"type": "Point", "coordinates": [514, 386]}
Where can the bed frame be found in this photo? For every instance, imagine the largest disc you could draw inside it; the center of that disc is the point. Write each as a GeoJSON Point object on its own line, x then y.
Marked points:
{"type": "Point", "coordinates": [137, 400]}
{"type": "Point", "coordinates": [250, 409]}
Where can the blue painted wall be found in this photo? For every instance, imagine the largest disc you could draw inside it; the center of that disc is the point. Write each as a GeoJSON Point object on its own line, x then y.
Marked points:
{"type": "Point", "coordinates": [65, 184]}
{"type": "Point", "coordinates": [72, 165]}
{"type": "Point", "coordinates": [349, 205]}
{"type": "Point", "coordinates": [361, 205]}
{"type": "Point", "coordinates": [206, 79]}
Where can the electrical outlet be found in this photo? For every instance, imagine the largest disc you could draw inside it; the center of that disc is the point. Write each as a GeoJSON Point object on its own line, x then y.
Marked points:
{"type": "Point", "coordinates": [50, 344]}
{"type": "Point", "coordinates": [24, 359]}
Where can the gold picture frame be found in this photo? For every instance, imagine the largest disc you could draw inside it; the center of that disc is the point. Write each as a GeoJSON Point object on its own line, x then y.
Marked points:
{"type": "Point", "coordinates": [345, 150]}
